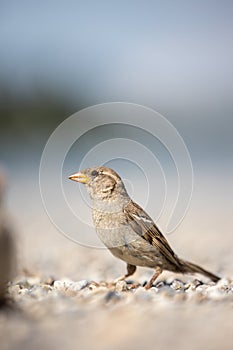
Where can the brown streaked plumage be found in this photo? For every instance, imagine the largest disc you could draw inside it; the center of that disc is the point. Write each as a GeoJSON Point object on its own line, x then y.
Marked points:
{"type": "Point", "coordinates": [127, 230]}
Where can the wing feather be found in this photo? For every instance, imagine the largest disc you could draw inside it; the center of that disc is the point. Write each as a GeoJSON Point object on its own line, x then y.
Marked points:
{"type": "Point", "coordinates": [145, 227]}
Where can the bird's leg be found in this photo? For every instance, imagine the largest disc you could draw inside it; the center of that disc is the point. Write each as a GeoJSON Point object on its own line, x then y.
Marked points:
{"type": "Point", "coordinates": [130, 271]}
{"type": "Point", "coordinates": [149, 284]}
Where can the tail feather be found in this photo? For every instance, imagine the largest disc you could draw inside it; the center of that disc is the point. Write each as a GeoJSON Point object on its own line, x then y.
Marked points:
{"type": "Point", "coordinates": [189, 267]}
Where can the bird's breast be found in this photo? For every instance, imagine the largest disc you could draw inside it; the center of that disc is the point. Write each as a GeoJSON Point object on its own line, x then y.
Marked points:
{"type": "Point", "coordinates": [113, 229]}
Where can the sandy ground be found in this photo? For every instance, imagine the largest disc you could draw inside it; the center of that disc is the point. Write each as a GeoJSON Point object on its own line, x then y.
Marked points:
{"type": "Point", "coordinates": [62, 296]}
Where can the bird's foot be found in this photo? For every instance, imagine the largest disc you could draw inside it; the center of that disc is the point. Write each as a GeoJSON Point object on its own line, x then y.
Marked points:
{"type": "Point", "coordinates": [149, 284]}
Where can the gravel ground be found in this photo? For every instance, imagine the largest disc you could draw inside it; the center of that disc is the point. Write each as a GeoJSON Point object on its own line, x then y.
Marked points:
{"type": "Point", "coordinates": [62, 313]}
{"type": "Point", "coordinates": [62, 296]}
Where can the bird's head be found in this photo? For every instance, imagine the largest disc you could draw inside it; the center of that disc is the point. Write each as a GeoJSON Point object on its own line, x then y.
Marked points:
{"type": "Point", "coordinates": [103, 184]}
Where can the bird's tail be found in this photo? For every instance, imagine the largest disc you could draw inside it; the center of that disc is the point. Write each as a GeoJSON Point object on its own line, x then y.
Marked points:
{"type": "Point", "coordinates": [189, 267]}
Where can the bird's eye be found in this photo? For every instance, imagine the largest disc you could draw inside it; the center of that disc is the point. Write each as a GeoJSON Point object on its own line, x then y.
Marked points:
{"type": "Point", "coordinates": [94, 173]}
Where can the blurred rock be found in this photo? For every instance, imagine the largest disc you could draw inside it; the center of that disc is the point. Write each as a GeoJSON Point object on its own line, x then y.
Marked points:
{"type": "Point", "coordinates": [7, 246]}
{"type": "Point", "coordinates": [121, 286]}
{"type": "Point", "coordinates": [177, 285]}
{"type": "Point", "coordinates": [67, 285]}
{"type": "Point", "coordinates": [112, 296]}
{"type": "Point", "coordinates": [2, 187]}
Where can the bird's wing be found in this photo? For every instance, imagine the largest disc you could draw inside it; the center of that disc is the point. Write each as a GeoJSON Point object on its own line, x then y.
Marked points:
{"type": "Point", "coordinates": [145, 227]}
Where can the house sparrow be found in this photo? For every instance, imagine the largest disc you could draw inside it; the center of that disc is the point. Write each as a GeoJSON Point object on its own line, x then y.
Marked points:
{"type": "Point", "coordinates": [127, 230]}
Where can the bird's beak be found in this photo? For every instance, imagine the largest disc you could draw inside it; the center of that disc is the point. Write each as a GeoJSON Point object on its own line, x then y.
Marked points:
{"type": "Point", "coordinates": [79, 177]}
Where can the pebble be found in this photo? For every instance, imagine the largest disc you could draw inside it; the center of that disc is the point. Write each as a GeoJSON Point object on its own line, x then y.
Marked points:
{"type": "Point", "coordinates": [67, 285]}
{"type": "Point", "coordinates": [225, 285]}
{"type": "Point", "coordinates": [201, 288]}
{"type": "Point", "coordinates": [161, 284]}
{"type": "Point", "coordinates": [38, 292]}
{"type": "Point", "coordinates": [175, 290]}
{"type": "Point", "coordinates": [177, 285]}
{"type": "Point", "coordinates": [121, 286]}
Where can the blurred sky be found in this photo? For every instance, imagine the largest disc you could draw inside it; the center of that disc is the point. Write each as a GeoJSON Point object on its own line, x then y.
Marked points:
{"type": "Point", "coordinates": [146, 51]}
{"type": "Point", "coordinates": [174, 56]}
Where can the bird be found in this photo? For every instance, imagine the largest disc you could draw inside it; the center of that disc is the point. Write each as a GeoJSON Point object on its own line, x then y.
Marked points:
{"type": "Point", "coordinates": [127, 230]}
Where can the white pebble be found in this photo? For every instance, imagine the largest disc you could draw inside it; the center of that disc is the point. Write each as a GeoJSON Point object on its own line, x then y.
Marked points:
{"type": "Point", "coordinates": [70, 285]}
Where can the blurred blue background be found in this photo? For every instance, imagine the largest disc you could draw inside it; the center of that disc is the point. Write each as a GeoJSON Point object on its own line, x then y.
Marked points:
{"type": "Point", "coordinates": [176, 57]}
